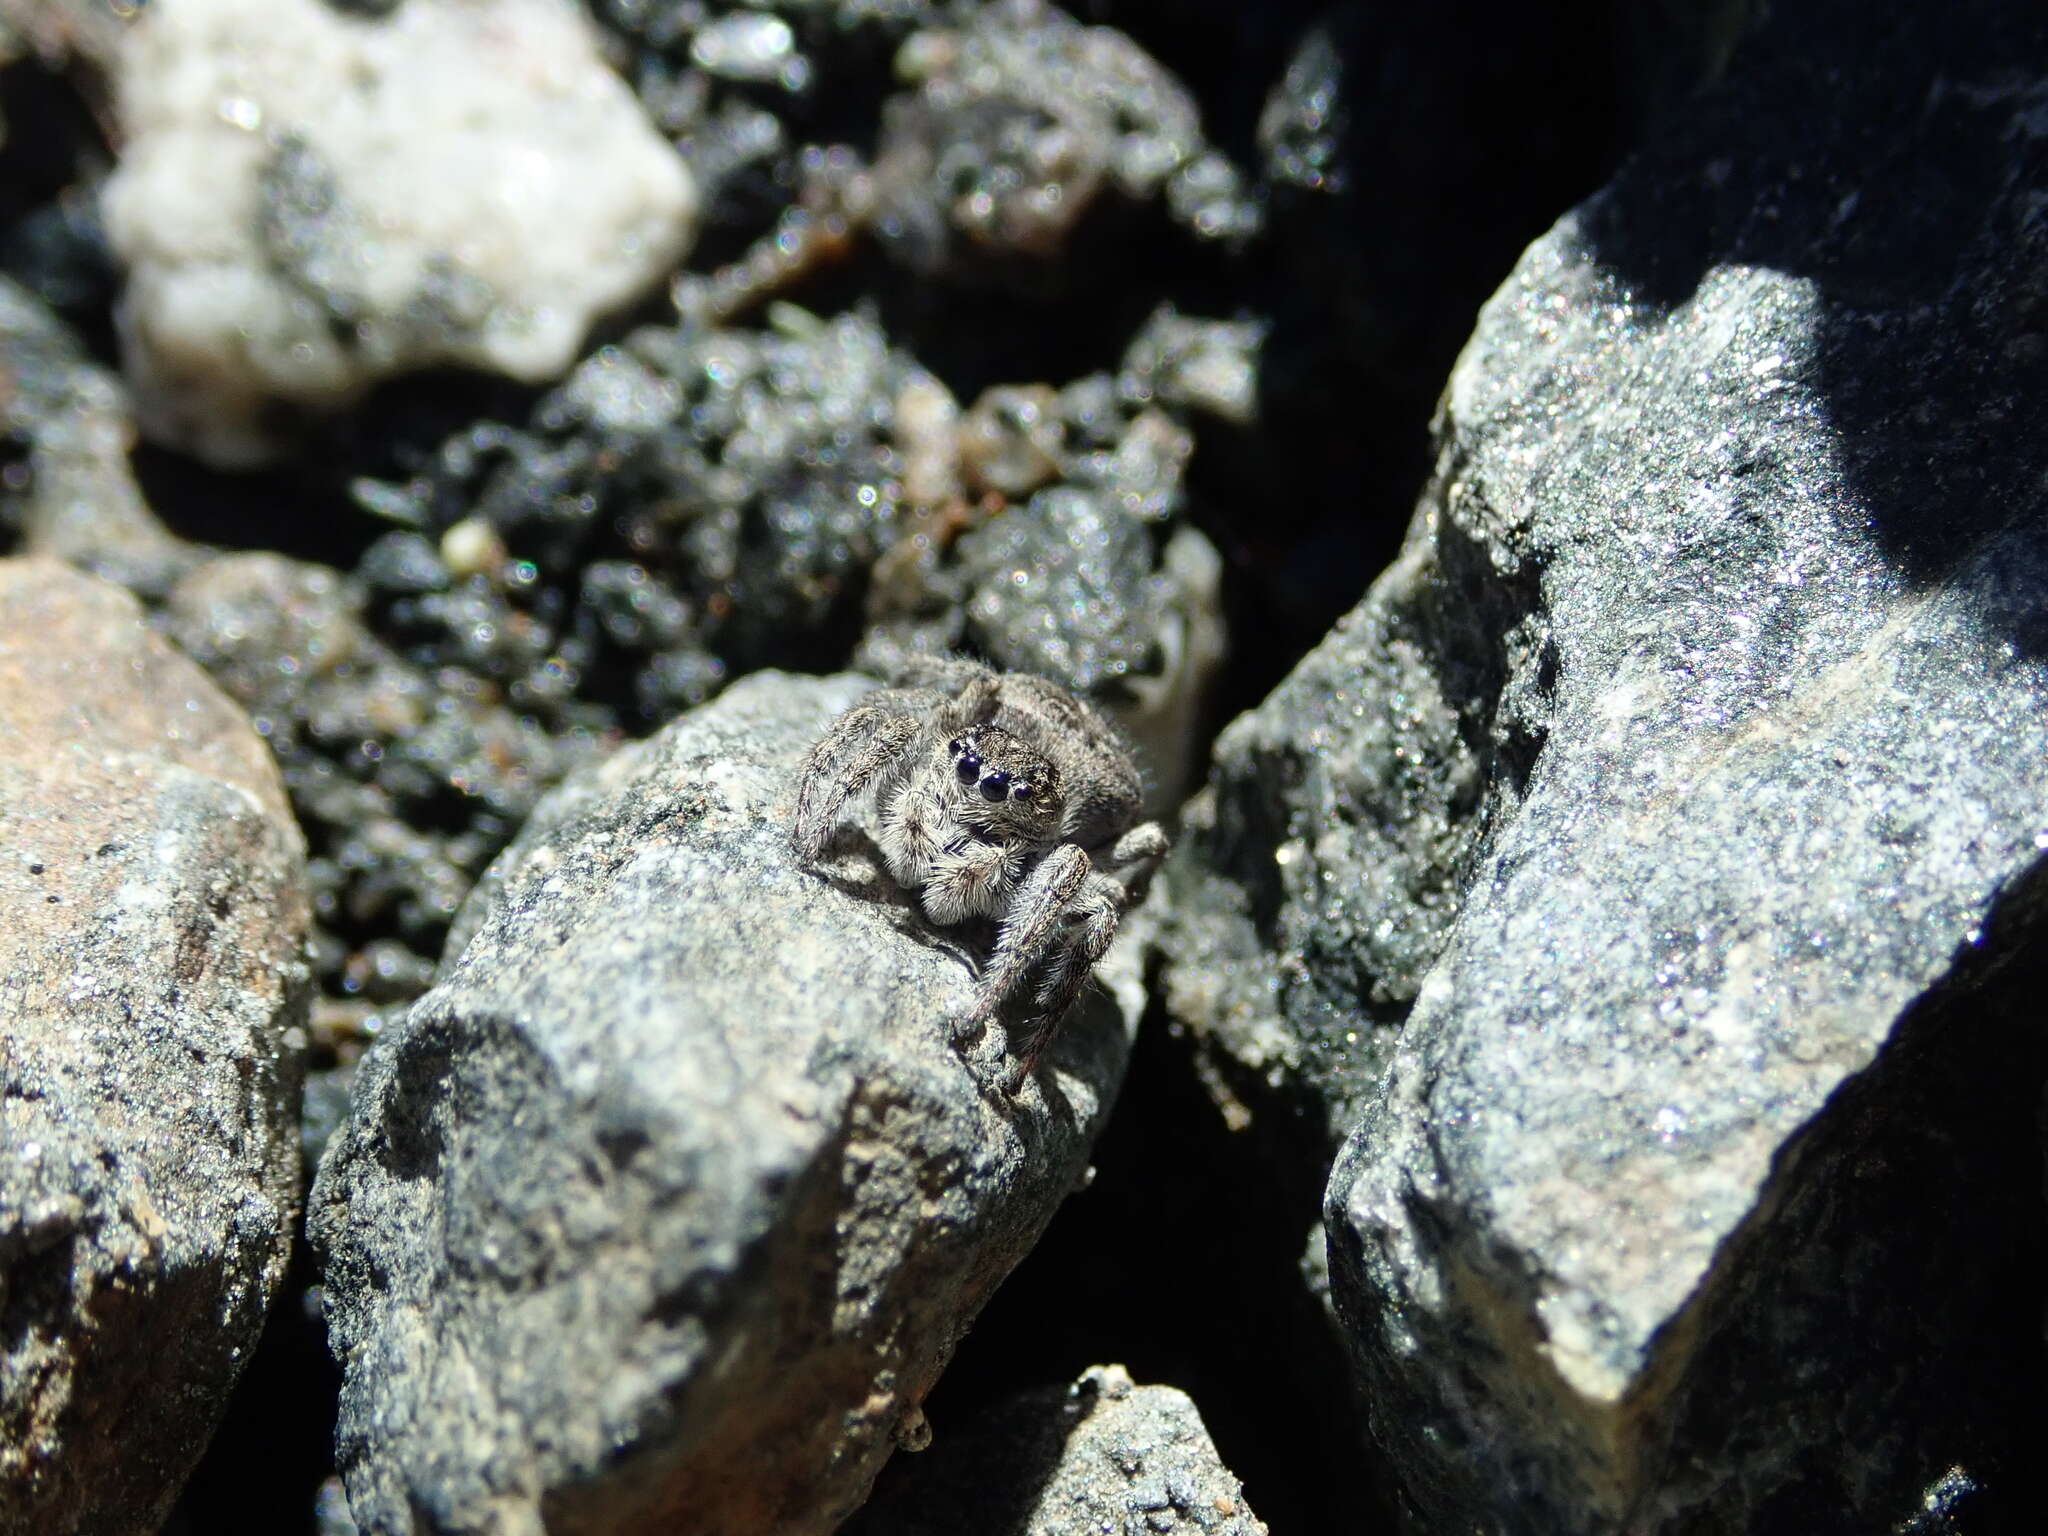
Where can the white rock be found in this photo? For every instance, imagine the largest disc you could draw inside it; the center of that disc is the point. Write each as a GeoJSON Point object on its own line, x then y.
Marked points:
{"type": "Point", "coordinates": [309, 201]}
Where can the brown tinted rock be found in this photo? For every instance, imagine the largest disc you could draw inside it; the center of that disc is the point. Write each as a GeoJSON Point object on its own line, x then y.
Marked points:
{"type": "Point", "coordinates": [152, 916]}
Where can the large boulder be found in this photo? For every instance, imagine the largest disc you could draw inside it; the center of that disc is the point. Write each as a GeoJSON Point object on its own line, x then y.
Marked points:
{"type": "Point", "coordinates": [153, 988]}
{"type": "Point", "coordinates": [1648, 875]}
{"type": "Point", "coordinates": [664, 1209]}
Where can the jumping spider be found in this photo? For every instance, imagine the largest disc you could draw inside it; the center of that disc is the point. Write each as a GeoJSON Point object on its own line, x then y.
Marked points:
{"type": "Point", "coordinates": [999, 795]}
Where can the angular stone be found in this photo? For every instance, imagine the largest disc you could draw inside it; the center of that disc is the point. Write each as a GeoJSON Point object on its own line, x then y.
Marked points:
{"type": "Point", "coordinates": [1101, 1455]}
{"type": "Point", "coordinates": [1650, 869]}
{"type": "Point", "coordinates": [152, 991]}
{"type": "Point", "coordinates": [665, 1208]}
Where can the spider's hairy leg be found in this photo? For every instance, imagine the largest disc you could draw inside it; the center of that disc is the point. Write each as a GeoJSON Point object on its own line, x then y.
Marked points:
{"type": "Point", "coordinates": [971, 882]}
{"type": "Point", "coordinates": [823, 789]}
{"type": "Point", "coordinates": [1091, 924]}
{"type": "Point", "coordinates": [1034, 921]}
{"type": "Point", "coordinates": [1134, 858]}
{"type": "Point", "coordinates": [975, 704]}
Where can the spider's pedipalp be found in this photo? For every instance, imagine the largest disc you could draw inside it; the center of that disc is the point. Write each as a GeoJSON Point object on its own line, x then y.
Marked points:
{"type": "Point", "coordinates": [972, 883]}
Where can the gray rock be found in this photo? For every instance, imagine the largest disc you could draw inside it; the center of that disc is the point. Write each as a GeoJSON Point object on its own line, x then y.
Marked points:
{"type": "Point", "coordinates": [1103, 1457]}
{"type": "Point", "coordinates": [75, 496]}
{"type": "Point", "coordinates": [152, 993]}
{"type": "Point", "coordinates": [1020, 121]}
{"type": "Point", "coordinates": [1650, 868]}
{"type": "Point", "coordinates": [670, 1201]}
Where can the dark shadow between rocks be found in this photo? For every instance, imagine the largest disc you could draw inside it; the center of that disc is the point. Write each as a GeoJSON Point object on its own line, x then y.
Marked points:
{"type": "Point", "coordinates": [1180, 1261]}
{"type": "Point", "coordinates": [1412, 154]}
{"type": "Point", "coordinates": [275, 1445]}
{"type": "Point", "coordinates": [303, 507]}
{"type": "Point", "coordinates": [1044, 321]}
{"type": "Point", "coordinates": [51, 240]}
{"type": "Point", "coordinates": [1008, 1462]}
{"type": "Point", "coordinates": [263, 510]}
{"type": "Point", "coordinates": [1884, 155]}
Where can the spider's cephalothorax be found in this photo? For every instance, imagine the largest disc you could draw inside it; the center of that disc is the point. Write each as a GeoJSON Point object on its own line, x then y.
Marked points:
{"type": "Point", "coordinates": [998, 795]}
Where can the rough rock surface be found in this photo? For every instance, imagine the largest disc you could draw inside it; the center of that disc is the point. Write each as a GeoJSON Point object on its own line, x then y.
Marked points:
{"type": "Point", "coordinates": [407, 780]}
{"type": "Point", "coordinates": [70, 493]}
{"type": "Point", "coordinates": [700, 501]}
{"type": "Point", "coordinates": [1103, 1457]}
{"type": "Point", "coordinates": [311, 200]}
{"type": "Point", "coordinates": [1018, 121]}
{"type": "Point", "coordinates": [670, 1201]}
{"type": "Point", "coordinates": [1650, 868]}
{"type": "Point", "coordinates": [152, 992]}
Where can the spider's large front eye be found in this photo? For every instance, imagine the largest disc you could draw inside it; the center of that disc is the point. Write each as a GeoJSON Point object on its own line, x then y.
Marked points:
{"type": "Point", "coordinates": [995, 786]}
{"type": "Point", "coordinates": [969, 767]}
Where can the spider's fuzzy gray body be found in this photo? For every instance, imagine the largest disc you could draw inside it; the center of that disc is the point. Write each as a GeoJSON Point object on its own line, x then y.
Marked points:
{"type": "Point", "coordinates": [998, 795]}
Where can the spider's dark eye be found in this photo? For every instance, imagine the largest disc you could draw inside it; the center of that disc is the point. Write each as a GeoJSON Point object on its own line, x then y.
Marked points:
{"type": "Point", "coordinates": [969, 767]}
{"type": "Point", "coordinates": [1020, 791]}
{"type": "Point", "coordinates": [953, 746]}
{"type": "Point", "coordinates": [995, 786]}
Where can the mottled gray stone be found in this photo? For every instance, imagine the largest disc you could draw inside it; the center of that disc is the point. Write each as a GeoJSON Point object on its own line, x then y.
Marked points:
{"type": "Point", "coordinates": [1017, 122]}
{"type": "Point", "coordinates": [1103, 1457]}
{"type": "Point", "coordinates": [152, 995]}
{"type": "Point", "coordinates": [1650, 869]}
{"type": "Point", "coordinates": [665, 1208]}
{"type": "Point", "coordinates": [1326, 855]}
{"type": "Point", "coordinates": [74, 496]}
